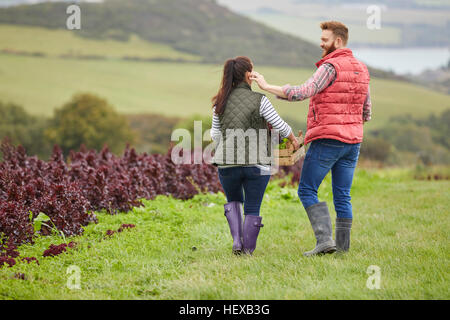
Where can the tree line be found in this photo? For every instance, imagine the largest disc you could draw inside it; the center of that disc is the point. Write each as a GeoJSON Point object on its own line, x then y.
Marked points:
{"type": "Point", "coordinates": [86, 120]}
{"type": "Point", "coordinates": [92, 121]}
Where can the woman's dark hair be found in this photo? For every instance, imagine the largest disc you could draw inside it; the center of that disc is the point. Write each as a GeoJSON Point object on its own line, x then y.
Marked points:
{"type": "Point", "coordinates": [233, 73]}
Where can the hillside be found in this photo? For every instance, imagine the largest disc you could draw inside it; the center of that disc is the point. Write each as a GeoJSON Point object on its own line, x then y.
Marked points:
{"type": "Point", "coordinates": [28, 40]}
{"type": "Point", "coordinates": [197, 27]}
{"type": "Point", "coordinates": [404, 23]}
{"type": "Point", "coordinates": [438, 79]}
{"type": "Point", "coordinates": [41, 84]}
{"type": "Point", "coordinates": [42, 67]}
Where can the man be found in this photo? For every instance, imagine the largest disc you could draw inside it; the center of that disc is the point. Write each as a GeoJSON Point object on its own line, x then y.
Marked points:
{"type": "Point", "coordinates": [339, 106]}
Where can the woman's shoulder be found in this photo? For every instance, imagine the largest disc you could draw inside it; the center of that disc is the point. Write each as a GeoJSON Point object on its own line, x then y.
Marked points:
{"type": "Point", "coordinates": [262, 95]}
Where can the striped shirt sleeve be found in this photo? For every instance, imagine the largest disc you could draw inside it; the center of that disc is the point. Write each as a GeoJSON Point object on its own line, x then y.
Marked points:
{"type": "Point", "coordinates": [268, 112]}
{"type": "Point", "coordinates": [215, 127]}
{"type": "Point", "coordinates": [367, 108]}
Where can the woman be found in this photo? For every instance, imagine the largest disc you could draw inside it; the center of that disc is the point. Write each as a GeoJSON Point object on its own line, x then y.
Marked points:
{"type": "Point", "coordinates": [243, 172]}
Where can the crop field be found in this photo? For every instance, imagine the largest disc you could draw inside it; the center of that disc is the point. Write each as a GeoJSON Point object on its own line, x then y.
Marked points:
{"type": "Point", "coordinates": [97, 225]}
{"type": "Point", "coordinates": [182, 250]}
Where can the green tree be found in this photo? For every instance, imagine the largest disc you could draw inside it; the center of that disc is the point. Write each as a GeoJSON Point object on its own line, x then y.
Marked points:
{"type": "Point", "coordinates": [153, 132]}
{"type": "Point", "coordinates": [375, 148]}
{"type": "Point", "coordinates": [89, 120]}
{"type": "Point", "coordinates": [204, 122]}
{"type": "Point", "coordinates": [23, 129]}
{"type": "Point", "coordinates": [408, 137]}
{"type": "Point", "coordinates": [427, 138]}
{"type": "Point", "coordinates": [440, 128]}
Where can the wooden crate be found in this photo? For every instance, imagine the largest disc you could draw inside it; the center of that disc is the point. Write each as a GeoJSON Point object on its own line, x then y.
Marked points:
{"type": "Point", "coordinates": [288, 157]}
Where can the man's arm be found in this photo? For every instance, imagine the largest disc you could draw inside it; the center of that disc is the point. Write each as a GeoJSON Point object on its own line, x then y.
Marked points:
{"type": "Point", "coordinates": [367, 108]}
{"type": "Point", "coordinates": [276, 90]}
{"type": "Point", "coordinates": [320, 80]}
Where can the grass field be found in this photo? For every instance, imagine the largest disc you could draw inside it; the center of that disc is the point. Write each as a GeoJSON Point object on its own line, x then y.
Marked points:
{"type": "Point", "coordinates": [55, 43]}
{"type": "Point", "coordinates": [182, 250]}
{"type": "Point", "coordinates": [41, 84]}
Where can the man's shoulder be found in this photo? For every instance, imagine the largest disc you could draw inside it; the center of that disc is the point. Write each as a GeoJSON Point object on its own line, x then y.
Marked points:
{"type": "Point", "coordinates": [346, 63]}
{"type": "Point", "coordinates": [328, 66]}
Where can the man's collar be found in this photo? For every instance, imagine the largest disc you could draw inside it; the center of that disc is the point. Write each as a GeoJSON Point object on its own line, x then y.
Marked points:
{"type": "Point", "coordinates": [334, 54]}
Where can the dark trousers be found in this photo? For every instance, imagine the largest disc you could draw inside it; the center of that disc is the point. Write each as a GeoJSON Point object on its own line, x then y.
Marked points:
{"type": "Point", "coordinates": [246, 185]}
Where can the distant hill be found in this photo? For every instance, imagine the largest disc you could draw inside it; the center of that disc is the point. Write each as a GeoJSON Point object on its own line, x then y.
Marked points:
{"type": "Point", "coordinates": [438, 79]}
{"type": "Point", "coordinates": [198, 27]}
{"type": "Point", "coordinates": [404, 23]}
{"type": "Point", "coordinates": [8, 3]}
{"type": "Point", "coordinates": [421, 4]}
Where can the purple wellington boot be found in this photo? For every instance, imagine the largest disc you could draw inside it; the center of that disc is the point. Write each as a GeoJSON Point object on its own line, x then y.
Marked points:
{"type": "Point", "coordinates": [252, 225]}
{"type": "Point", "coordinates": [233, 212]}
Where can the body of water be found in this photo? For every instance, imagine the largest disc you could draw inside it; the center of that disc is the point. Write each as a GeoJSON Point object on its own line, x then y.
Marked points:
{"type": "Point", "coordinates": [404, 60]}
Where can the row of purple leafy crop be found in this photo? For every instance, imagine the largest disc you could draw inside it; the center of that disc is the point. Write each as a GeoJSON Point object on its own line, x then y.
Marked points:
{"type": "Point", "coordinates": [69, 192]}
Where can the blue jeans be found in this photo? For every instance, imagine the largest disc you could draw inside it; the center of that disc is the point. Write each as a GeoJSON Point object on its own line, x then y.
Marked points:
{"type": "Point", "coordinates": [244, 184]}
{"type": "Point", "coordinates": [324, 155]}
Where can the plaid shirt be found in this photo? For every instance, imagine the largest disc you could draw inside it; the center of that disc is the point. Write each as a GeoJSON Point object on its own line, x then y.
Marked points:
{"type": "Point", "coordinates": [320, 80]}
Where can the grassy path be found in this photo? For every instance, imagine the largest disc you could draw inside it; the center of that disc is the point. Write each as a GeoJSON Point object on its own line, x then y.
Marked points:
{"type": "Point", "coordinates": [182, 250]}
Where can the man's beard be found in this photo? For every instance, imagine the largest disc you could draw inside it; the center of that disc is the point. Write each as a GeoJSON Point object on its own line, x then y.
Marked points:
{"type": "Point", "coordinates": [329, 50]}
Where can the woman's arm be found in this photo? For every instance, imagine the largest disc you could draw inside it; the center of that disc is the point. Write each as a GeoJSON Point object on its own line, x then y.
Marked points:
{"type": "Point", "coordinates": [215, 127]}
{"type": "Point", "coordinates": [268, 112]}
